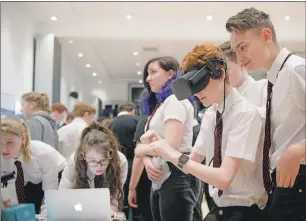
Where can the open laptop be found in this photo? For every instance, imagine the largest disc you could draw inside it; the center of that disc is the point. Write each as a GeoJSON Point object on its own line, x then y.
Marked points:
{"type": "Point", "coordinates": [78, 205]}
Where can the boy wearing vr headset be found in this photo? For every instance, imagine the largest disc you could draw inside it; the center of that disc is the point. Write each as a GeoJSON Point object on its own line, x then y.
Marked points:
{"type": "Point", "coordinates": [229, 139]}
{"type": "Point", "coordinates": [253, 38]}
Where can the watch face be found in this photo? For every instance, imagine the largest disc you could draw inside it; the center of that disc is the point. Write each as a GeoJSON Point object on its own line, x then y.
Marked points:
{"type": "Point", "coordinates": [184, 158]}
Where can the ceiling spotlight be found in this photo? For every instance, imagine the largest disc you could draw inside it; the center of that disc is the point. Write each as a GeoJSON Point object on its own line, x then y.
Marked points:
{"type": "Point", "coordinates": [70, 42]}
{"type": "Point", "coordinates": [128, 17]}
{"type": "Point", "coordinates": [208, 17]}
{"type": "Point", "coordinates": [139, 72]}
{"type": "Point", "coordinates": [287, 18]}
{"type": "Point", "coordinates": [137, 64]}
{"type": "Point", "coordinates": [53, 18]}
{"type": "Point", "coordinates": [100, 82]}
{"type": "Point", "coordinates": [88, 65]}
{"type": "Point", "coordinates": [94, 74]}
{"type": "Point", "coordinates": [80, 55]}
{"type": "Point", "coordinates": [135, 53]}
{"type": "Point", "coordinates": [140, 81]}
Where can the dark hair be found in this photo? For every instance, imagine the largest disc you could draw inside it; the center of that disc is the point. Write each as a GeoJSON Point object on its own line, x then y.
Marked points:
{"type": "Point", "coordinates": [129, 107]}
{"type": "Point", "coordinates": [167, 63]}
{"type": "Point", "coordinates": [248, 19]}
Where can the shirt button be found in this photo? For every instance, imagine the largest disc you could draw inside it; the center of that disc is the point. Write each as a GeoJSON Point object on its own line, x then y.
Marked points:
{"type": "Point", "coordinates": [300, 190]}
{"type": "Point", "coordinates": [220, 212]}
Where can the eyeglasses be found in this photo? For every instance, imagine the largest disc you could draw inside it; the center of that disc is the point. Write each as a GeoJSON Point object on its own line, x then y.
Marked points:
{"type": "Point", "coordinates": [103, 162]}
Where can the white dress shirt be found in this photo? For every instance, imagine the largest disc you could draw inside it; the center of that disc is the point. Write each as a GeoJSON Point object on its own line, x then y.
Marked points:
{"type": "Point", "coordinates": [68, 174]}
{"type": "Point", "coordinates": [254, 91]}
{"type": "Point", "coordinates": [44, 167]}
{"type": "Point", "coordinates": [69, 136]}
{"type": "Point", "coordinates": [182, 111]}
{"type": "Point", "coordinates": [242, 138]}
{"type": "Point", "coordinates": [288, 104]}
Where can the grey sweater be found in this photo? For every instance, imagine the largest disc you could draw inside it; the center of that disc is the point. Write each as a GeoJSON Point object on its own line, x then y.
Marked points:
{"type": "Point", "coordinates": [43, 127]}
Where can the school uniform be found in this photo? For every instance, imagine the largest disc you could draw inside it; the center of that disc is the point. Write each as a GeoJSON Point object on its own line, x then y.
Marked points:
{"type": "Point", "coordinates": [70, 135]}
{"type": "Point", "coordinates": [175, 196]}
{"type": "Point", "coordinates": [236, 133]}
{"type": "Point", "coordinates": [286, 119]}
{"type": "Point", "coordinates": [40, 174]}
{"type": "Point", "coordinates": [254, 91]}
{"type": "Point", "coordinates": [68, 175]}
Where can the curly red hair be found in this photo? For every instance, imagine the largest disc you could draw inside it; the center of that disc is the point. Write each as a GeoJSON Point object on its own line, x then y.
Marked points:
{"type": "Point", "coordinates": [200, 54]}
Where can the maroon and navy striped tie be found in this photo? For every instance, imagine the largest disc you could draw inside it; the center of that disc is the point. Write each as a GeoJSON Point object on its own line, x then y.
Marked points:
{"type": "Point", "coordinates": [218, 143]}
{"type": "Point", "coordinates": [19, 183]}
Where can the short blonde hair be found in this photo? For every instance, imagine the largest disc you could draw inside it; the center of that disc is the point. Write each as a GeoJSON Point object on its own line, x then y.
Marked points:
{"type": "Point", "coordinates": [81, 108]}
{"type": "Point", "coordinates": [41, 100]}
{"type": "Point", "coordinates": [228, 52]}
{"type": "Point", "coordinates": [18, 127]}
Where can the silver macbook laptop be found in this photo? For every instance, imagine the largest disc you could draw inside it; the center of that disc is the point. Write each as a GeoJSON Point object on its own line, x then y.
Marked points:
{"type": "Point", "coordinates": [78, 204]}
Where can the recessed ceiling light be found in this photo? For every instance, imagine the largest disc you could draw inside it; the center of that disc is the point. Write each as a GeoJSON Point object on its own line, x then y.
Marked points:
{"type": "Point", "coordinates": [100, 82]}
{"type": "Point", "coordinates": [94, 74]}
{"type": "Point", "coordinates": [287, 17]}
{"type": "Point", "coordinates": [88, 65]}
{"type": "Point", "coordinates": [70, 42]}
{"type": "Point", "coordinates": [137, 64]}
{"type": "Point", "coordinates": [53, 18]}
{"type": "Point", "coordinates": [135, 53]}
{"type": "Point", "coordinates": [139, 72]}
{"type": "Point", "coordinates": [208, 17]}
{"type": "Point", "coordinates": [80, 55]}
{"type": "Point", "coordinates": [140, 81]}
{"type": "Point", "coordinates": [128, 17]}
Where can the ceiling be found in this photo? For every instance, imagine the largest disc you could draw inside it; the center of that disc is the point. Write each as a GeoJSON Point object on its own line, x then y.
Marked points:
{"type": "Point", "coordinates": [107, 39]}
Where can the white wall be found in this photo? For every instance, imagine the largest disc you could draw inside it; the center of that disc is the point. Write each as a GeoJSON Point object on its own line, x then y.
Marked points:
{"type": "Point", "coordinates": [17, 34]}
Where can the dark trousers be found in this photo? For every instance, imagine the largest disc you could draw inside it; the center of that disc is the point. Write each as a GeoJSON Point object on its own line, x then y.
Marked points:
{"type": "Point", "coordinates": [288, 204]}
{"type": "Point", "coordinates": [197, 212]}
{"type": "Point", "coordinates": [235, 213]}
{"type": "Point", "coordinates": [35, 194]}
{"type": "Point", "coordinates": [177, 197]}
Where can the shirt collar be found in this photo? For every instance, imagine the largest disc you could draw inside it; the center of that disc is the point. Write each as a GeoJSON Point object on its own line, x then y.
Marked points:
{"type": "Point", "coordinates": [232, 98]}
{"type": "Point", "coordinates": [245, 83]}
{"type": "Point", "coordinates": [279, 60]}
{"type": "Point", "coordinates": [20, 159]}
{"type": "Point", "coordinates": [123, 113]}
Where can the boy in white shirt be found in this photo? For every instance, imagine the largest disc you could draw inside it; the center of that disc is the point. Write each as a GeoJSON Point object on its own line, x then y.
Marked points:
{"type": "Point", "coordinates": [69, 135]}
{"type": "Point", "coordinates": [253, 38]}
{"type": "Point", "coordinates": [229, 136]}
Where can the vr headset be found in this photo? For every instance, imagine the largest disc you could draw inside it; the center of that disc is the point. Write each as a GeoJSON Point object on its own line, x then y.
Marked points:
{"type": "Point", "coordinates": [196, 79]}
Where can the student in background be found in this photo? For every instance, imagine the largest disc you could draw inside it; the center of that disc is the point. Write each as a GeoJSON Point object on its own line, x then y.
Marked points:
{"type": "Point", "coordinates": [59, 113]}
{"type": "Point", "coordinates": [174, 194]}
{"type": "Point", "coordinates": [124, 127]}
{"type": "Point", "coordinates": [69, 118]}
{"type": "Point", "coordinates": [38, 166]}
{"type": "Point", "coordinates": [35, 109]}
{"type": "Point", "coordinates": [97, 163]}
{"type": "Point", "coordinates": [69, 135]}
{"type": "Point", "coordinates": [254, 40]}
{"type": "Point", "coordinates": [230, 138]}
{"type": "Point", "coordinates": [254, 91]}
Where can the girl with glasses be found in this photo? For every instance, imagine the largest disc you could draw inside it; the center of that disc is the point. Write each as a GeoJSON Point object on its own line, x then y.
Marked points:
{"type": "Point", "coordinates": [97, 163]}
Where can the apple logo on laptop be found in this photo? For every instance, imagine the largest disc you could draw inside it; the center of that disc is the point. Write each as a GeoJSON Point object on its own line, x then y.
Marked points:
{"type": "Point", "coordinates": [78, 207]}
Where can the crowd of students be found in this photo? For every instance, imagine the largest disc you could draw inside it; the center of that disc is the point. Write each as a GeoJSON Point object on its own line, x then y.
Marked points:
{"type": "Point", "coordinates": [249, 154]}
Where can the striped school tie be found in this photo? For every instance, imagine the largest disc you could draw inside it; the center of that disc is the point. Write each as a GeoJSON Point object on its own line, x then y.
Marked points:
{"type": "Point", "coordinates": [19, 183]}
{"type": "Point", "coordinates": [218, 142]}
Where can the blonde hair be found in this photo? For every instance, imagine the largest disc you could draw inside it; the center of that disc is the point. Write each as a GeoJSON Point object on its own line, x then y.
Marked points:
{"type": "Point", "coordinates": [41, 100]}
{"type": "Point", "coordinates": [81, 108]}
{"type": "Point", "coordinates": [18, 127]}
